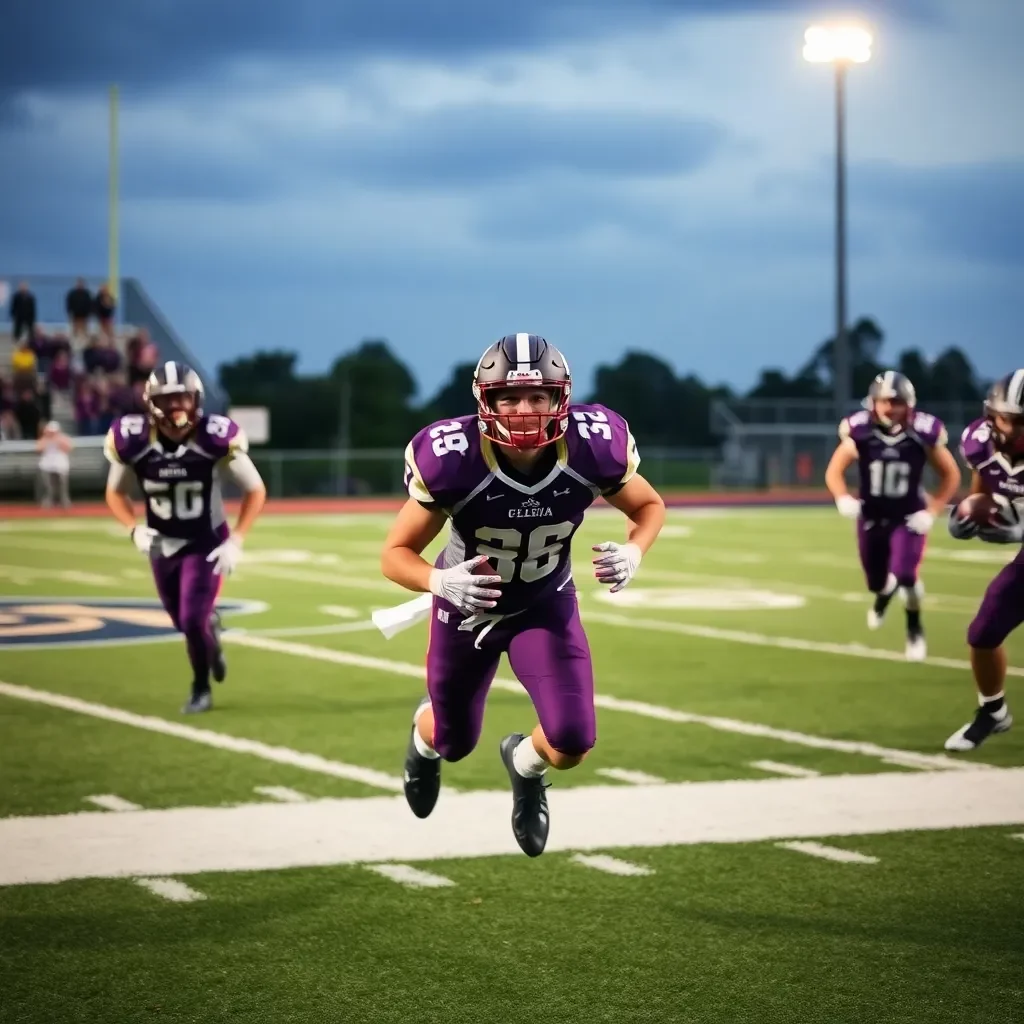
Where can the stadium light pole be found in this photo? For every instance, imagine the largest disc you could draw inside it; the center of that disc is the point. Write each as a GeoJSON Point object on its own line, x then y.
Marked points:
{"type": "Point", "coordinates": [840, 46]}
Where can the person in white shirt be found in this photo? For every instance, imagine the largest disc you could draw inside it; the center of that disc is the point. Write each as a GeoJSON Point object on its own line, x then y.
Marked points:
{"type": "Point", "coordinates": [54, 447]}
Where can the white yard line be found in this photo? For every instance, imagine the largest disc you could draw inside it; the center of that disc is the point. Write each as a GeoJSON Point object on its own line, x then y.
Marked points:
{"type": "Point", "coordinates": [219, 740]}
{"type": "Point", "coordinates": [610, 865]}
{"type": "Point", "coordinates": [274, 836]}
{"type": "Point", "coordinates": [324, 630]}
{"type": "Point", "coordinates": [109, 802]}
{"type": "Point", "coordinates": [634, 778]}
{"type": "Point", "coordinates": [828, 852]}
{"type": "Point", "coordinates": [282, 794]}
{"type": "Point", "coordinates": [735, 636]}
{"type": "Point", "coordinates": [792, 770]}
{"type": "Point", "coordinates": [170, 889]}
{"type": "Point", "coordinates": [635, 707]}
{"type": "Point", "coordinates": [410, 876]}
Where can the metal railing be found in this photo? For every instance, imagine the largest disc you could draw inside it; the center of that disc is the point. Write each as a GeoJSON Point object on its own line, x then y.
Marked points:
{"type": "Point", "coordinates": [325, 472]}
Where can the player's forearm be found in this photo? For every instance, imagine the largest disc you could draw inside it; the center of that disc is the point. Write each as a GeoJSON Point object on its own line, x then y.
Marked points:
{"type": "Point", "coordinates": [835, 480]}
{"type": "Point", "coordinates": [406, 568]}
{"type": "Point", "coordinates": [122, 508]}
{"type": "Point", "coordinates": [252, 505]}
{"type": "Point", "coordinates": [645, 524]}
{"type": "Point", "coordinates": [949, 484]}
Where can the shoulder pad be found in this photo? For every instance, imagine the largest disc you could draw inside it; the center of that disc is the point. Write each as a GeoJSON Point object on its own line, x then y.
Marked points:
{"type": "Point", "coordinates": [444, 460]}
{"type": "Point", "coordinates": [976, 442]}
{"type": "Point", "coordinates": [220, 436]}
{"type": "Point", "coordinates": [930, 429]}
{"type": "Point", "coordinates": [857, 426]}
{"type": "Point", "coordinates": [601, 447]}
{"type": "Point", "coordinates": [127, 438]}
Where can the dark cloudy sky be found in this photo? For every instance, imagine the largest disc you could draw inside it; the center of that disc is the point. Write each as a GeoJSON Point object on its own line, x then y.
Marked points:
{"type": "Point", "coordinates": [652, 174]}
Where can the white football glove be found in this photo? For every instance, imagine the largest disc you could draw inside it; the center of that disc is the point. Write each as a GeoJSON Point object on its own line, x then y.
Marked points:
{"type": "Point", "coordinates": [226, 557]}
{"type": "Point", "coordinates": [920, 522]}
{"type": "Point", "coordinates": [142, 538]}
{"type": "Point", "coordinates": [848, 506]}
{"type": "Point", "coordinates": [618, 565]}
{"type": "Point", "coordinates": [461, 587]}
{"type": "Point", "coordinates": [1008, 529]}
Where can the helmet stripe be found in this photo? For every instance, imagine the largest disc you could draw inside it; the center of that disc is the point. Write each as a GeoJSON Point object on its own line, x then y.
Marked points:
{"type": "Point", "coordinates": [1015, 390]}
{"type": "Point", "coordinates": [523, 351]}
{"type": "Point", "coordinates": [171, 372]}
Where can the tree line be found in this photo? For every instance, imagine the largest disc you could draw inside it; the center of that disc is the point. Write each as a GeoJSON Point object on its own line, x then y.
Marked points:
{"type": "Point", "coordinates": [368, 398]}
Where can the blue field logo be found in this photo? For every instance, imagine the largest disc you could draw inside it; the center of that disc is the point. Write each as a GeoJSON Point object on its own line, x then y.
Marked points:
{"type": "Point", "coordinates": [46, 623]}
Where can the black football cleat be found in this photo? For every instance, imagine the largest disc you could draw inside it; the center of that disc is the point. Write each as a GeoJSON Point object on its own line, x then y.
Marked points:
{"type": "Point", "coordinates": [198, 703]}
{"type": "Point", "coordinates": [218, 666]}
{"type": "Point", "coordinates": [530, 820]}
{"type": "Point", "coordinates": [421, 779]}
{"type": "Point", "coordinates": [974, 733]}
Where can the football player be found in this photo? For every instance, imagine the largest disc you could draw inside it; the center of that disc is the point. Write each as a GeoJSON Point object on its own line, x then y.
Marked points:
{"type": "Point", "coordinates": [993, 447]}
{"type": "Point", "coordinates": [513, 481]}
{"type": "Point", "coordinates": [892, 441]}
{"type": "Point", "coordinates": [177, 453]}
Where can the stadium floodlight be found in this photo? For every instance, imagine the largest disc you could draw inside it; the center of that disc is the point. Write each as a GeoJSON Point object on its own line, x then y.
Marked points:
{"type": "Point", "coordinates": [824, 44]}
{"type": "Point", "coordinates": [840, 46]}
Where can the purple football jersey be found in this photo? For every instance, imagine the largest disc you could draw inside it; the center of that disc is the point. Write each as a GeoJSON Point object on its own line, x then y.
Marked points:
{"type": "Point", "coordinates": [1001, 476]}
{"type": "Point", "coordinates": [523, 526]}
{"type": "Point", "coordinates": [892, 464]}
{"type": "Point", "coordinates": [180, 482]}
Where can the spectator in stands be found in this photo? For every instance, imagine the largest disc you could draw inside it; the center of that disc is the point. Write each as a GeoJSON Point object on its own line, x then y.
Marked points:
{"type": "Point", "coordinates": [104, 307]}
{"type": "Point", "coordinates": [24, 364]}
{"type": "Point", "coordinates": [54, 447]}
{"type": "Point", "coordinates": [9, 429]}
{"type": "Point", "coordinates": [79, 306]}
{"type": "Point", "coordinates": [60, 371]}
{"type": "Point", "coordinates": [23, 313]}
{"type": "Point", "coordinates": [28, 412]}
{"type": "Point", "coordinates": [119, 395]}
{"type": "Point", "coordinates": [142, 356]}
{"type": "Point", "coordinates": [101, 356]}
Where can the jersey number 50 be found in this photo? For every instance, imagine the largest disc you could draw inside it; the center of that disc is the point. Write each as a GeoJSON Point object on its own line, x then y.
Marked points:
{"type": "Point", "coordinates": [175, 501]}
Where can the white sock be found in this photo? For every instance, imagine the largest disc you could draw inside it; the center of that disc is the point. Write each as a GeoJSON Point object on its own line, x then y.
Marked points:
{"type": "Point", "coordinates": [890, 585]}
{"type": "Point", "coordinates": [527, 761]}
{"type": "Point", "coordinates": [1002, 711]}
{"type": "Point", "coordinates": [912, 596]}
{"type": "Point", "coordinates": [423, 748]}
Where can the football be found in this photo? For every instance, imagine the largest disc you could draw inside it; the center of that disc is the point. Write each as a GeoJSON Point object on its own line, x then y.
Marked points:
{"type": "Point", "coordinates": [982, 509]}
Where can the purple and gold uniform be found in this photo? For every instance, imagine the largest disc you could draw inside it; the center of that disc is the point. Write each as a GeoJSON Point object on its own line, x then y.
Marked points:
{"type": "Point", "coordinates": [524, 526]}
{"type": "Point", "coordinates": [1002, 608]}
{"type": "Point", "coordinates": [181, 487]}
{"type": "Point", "coordinates": [891, 464]}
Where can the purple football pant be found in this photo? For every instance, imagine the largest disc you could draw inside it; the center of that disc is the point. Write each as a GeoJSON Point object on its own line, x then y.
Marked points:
{"type": "Point", "coordinates": [188, 590]}
{"type": "Point", "coordinates": [1002, 607]}
{"type": "Point", "coordinates": [889, 548]}
{"type": "Point", "coordinates": [549, 654]}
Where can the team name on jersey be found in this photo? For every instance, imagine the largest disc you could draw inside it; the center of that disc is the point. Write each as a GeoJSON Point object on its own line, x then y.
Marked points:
{"type": "Point", "coordinates": [530, 509]}
{"type": "Point", "coordinates": [175, 472]}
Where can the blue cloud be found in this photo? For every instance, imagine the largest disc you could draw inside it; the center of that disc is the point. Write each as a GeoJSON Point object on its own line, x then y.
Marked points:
{"type": "Point", "coordinates": [975, 210]}
{"type": "Point", "coordinates": [61, 44]}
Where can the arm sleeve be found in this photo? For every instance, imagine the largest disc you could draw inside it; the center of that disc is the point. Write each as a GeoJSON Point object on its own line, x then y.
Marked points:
{"type": "Point", "coordinates": [119, 478]}
{"type": "Point", "coordinates": [243, 471]}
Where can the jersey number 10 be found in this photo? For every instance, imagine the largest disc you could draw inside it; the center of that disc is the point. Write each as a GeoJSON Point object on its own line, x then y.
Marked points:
{"type": "Point", "coordinates": [889, 479]}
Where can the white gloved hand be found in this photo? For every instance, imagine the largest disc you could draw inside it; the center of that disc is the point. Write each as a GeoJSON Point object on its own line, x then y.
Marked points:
{"type": "Point", "coordinates": [1007, 528]}
{"type": "Point", "coordinates": [226, 557]}
{"type": "Point", "coordinates": [618, 565]}
{"type": "Point", "coordinates": [142, 538]}
{"type": "Point", "coordinates": [464, 589]}
{"type": "Point", "coordinates": [920, 522]}
{"type": "Point", "coordinates": [848, 506]}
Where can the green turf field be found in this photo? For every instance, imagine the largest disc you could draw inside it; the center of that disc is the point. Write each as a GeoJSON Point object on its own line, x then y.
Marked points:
{"type": "Point", "coordinates": [259, 864]}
